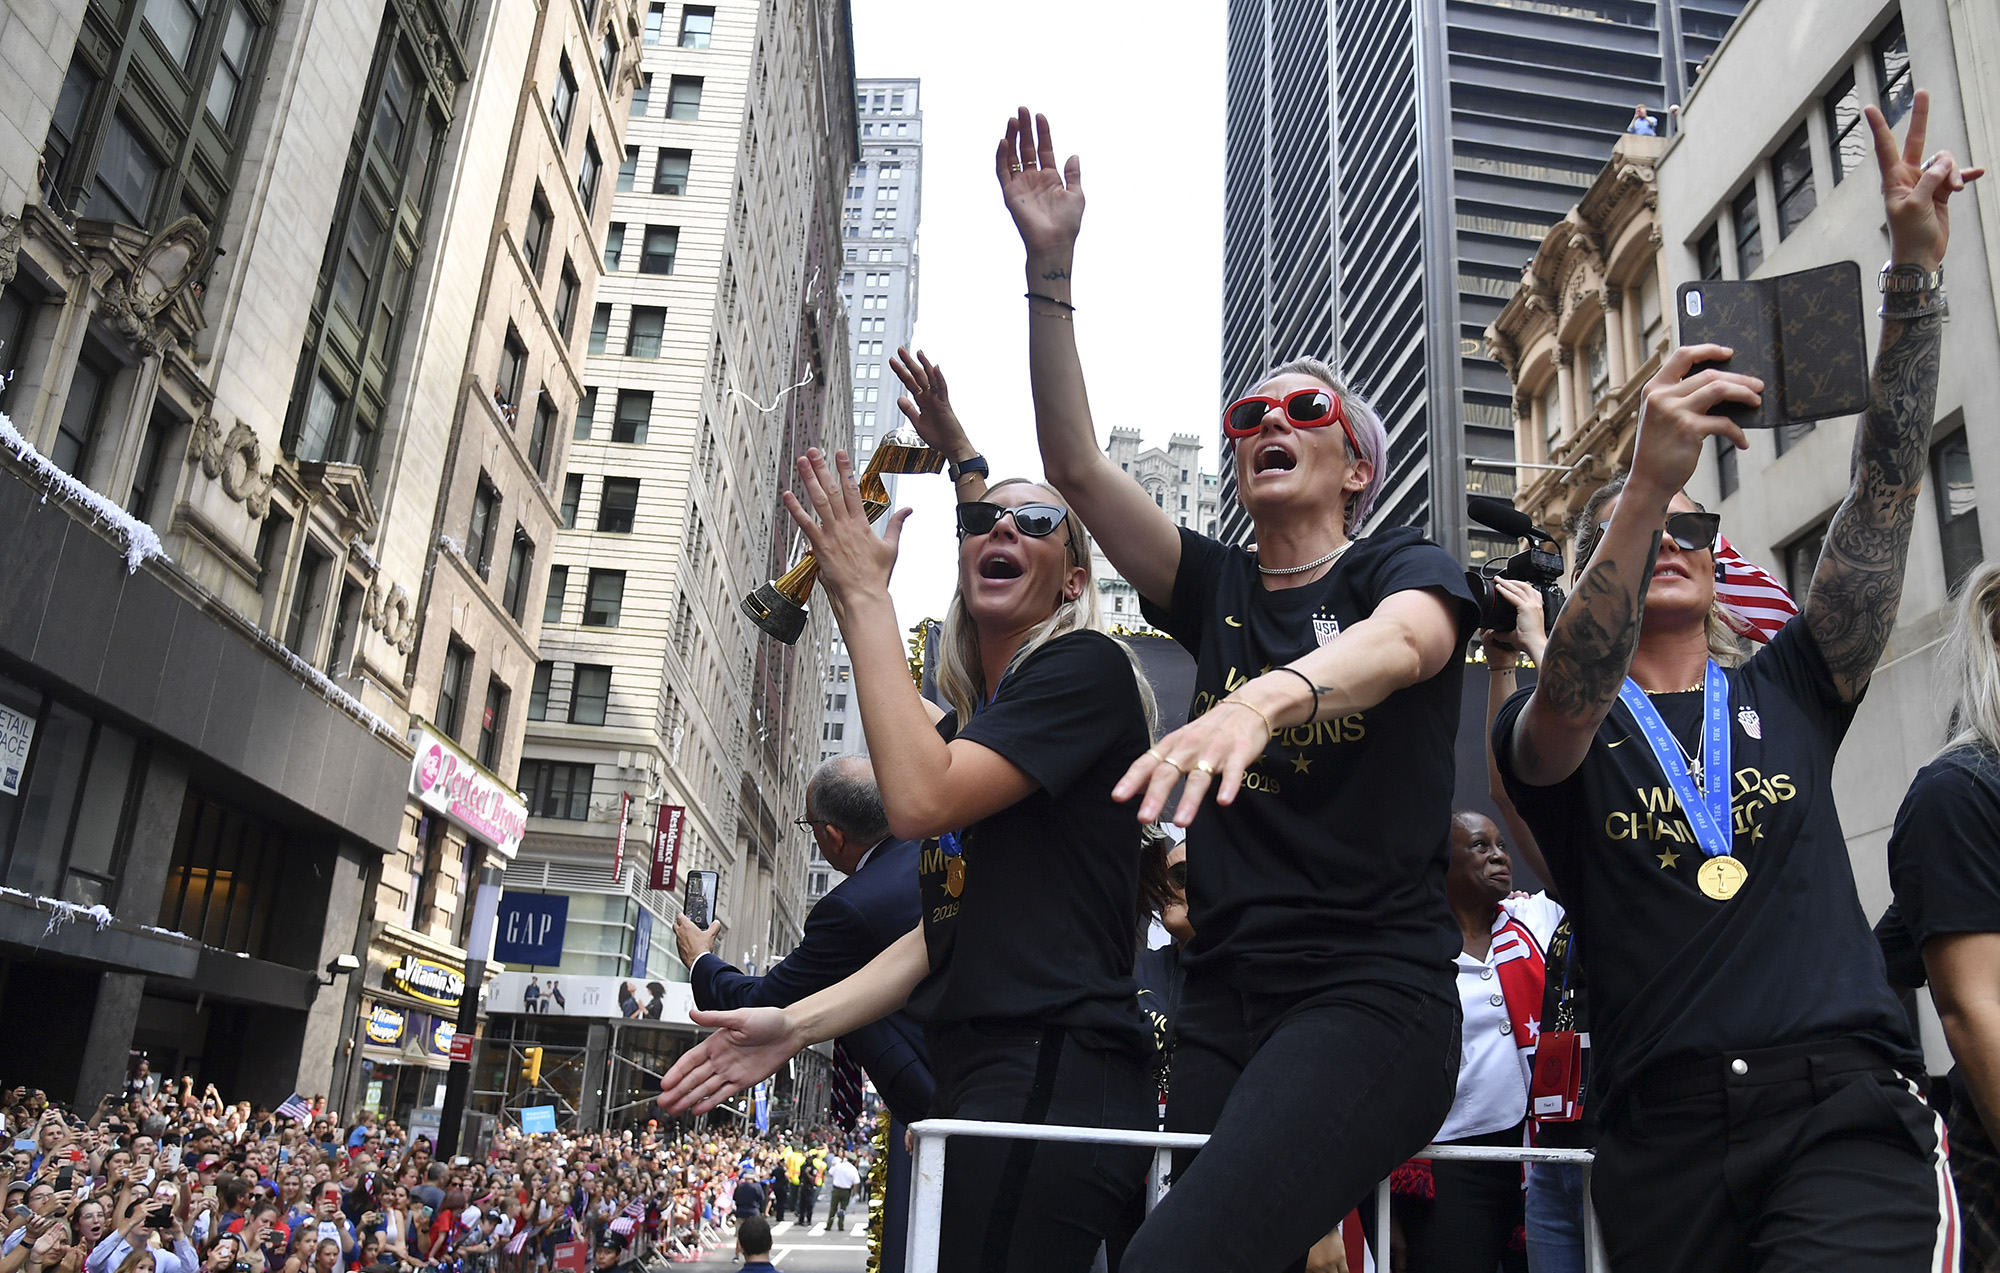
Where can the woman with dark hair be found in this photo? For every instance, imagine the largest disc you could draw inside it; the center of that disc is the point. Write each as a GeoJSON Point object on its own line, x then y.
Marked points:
{"type": "Point", "coordinates": [1317, 1035]}
{"type": "Point", "coordinates": [1021, 969]}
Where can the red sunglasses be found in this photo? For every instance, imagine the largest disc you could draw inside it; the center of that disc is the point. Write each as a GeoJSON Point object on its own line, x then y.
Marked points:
{"type": "Point", "coordinates": [1303, 408]}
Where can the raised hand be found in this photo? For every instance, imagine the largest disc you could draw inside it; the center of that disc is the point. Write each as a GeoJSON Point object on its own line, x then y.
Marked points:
{"type": "Point", "coordinates": [749, 1044]}
{"type": "Point", "coordinates": [928, 404]}
{"type": "Point", "coordinates": [852, 558]}
{"type": "Point", "coordinates": [1915, 190]}
{"type": "Point", "coordinates": [1677, 416]}
{"type": "Point", "coordinates": [1046, 202]}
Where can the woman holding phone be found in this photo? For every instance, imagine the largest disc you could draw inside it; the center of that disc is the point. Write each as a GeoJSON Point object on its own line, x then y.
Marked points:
{"type": "Point", "coordinates": [1318, 1033]}
{"type": "Point", "coordinates": [1021, 970]}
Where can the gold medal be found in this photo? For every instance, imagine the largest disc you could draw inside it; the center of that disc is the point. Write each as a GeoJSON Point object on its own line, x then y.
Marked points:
{"type": "Point", "coordinates": [1721, 877]}
{"type": "Point", "coordinates": [954, 875]}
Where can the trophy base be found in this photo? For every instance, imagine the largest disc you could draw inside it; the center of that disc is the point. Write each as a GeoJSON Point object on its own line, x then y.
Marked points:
{"type": "Point", "coordinates": [778, 615]}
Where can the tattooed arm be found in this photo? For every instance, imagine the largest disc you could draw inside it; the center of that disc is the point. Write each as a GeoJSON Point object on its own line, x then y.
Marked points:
{"type": "Point", "coordinates": [1590, 651]}
{"type": "Point", "coordinates": [1858, 584]}
{"type": "Point", "coordinates": [1046, 202]}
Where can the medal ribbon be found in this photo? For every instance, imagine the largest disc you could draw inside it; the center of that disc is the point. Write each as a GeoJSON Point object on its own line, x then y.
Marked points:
{"type": "Point", "coordinates": [1708, 815]}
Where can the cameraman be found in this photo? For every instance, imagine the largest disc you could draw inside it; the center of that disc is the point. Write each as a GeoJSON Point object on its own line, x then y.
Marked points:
{"type": "Point", "coordinates": [1753, 1066]}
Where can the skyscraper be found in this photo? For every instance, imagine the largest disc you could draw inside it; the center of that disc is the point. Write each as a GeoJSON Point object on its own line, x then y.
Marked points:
{"type": "Point", "coordinates": [1390, 166]}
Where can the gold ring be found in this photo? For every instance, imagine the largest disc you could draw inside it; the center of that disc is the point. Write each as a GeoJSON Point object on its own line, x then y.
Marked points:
{"type": "Point", "coordinates": [1205, 767]}
{"type": "Point", "coordinates": [1154, 752]}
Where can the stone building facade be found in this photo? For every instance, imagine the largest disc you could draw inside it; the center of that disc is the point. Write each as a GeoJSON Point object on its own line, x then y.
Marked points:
{"type": "Point", "coordinates": [1173, 476]}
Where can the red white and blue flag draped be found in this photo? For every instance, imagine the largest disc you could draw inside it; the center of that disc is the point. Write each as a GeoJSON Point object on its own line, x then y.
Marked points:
{"type": "Point", "coordinates": [629, 1219]}
{"type": "Point", "coordinates": [1754, 604]}
{"type": "Point", "coordinates": [295, 1106]}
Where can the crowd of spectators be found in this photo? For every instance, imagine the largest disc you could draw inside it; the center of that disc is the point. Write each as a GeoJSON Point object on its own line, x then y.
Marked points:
{"type": "Point", "coordinates": [161, 1178]}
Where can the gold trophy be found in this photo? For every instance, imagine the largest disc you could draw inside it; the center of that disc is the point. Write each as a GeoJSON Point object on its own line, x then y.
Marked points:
{"type": "Point", "coordinates": [779, 606]}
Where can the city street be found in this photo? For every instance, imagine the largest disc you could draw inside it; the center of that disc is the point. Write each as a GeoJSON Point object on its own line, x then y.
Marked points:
{"type": "Point", "coordinates": [797, 1248]}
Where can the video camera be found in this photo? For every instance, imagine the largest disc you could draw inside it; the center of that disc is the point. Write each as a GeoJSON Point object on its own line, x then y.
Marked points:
{"type": "Point", "coordinates": [1541, 566]}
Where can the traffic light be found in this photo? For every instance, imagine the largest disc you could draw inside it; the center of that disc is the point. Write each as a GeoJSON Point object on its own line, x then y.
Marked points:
{"type": "Point", "coordinates": [531, 1067]}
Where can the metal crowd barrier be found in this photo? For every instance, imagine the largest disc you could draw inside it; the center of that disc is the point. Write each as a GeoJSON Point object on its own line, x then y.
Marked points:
{"type": "Point", "coordinates": [927, 1177]}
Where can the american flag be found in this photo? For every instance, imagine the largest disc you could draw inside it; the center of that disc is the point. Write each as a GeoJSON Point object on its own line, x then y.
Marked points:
{"type": "Point", "coordinates": [295, 1106]}
{"type": "Point", "coordinates": [1753, 603]}
{"type": "Point", "coordinates": [628, 1219]}
{"type": "Point", "coordinates": [519, 1242]}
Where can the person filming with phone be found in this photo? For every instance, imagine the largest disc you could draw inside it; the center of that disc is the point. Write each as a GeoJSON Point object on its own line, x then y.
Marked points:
{"type": "Point", "coordinates": [1753, 1068]}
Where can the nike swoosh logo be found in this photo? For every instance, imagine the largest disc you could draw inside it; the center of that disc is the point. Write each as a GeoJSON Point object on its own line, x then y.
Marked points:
{"type": "Point", "coordinates": [1230, 619]}
{"type": "Point", "coordinates": [1620, 743]}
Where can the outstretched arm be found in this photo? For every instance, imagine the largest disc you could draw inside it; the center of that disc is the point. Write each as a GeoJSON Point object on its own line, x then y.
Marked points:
{"type": "Point", "coordinates": [928, 406]}
{"type": "Point", "coordinates": [1046, 203]}
{"type": "Point", "coordinates": [1859, 582]}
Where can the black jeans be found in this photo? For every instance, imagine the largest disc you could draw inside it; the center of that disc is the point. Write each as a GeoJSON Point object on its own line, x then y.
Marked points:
{"type": "Point", "coordinates": [1034, 1206]}
{"type": "Point", "coordinates": [1473, 1215]}
{"type": "Point", "coordinates": [1815, 1157]}
{"type": "Point", "coordinates": [1310, 1103]}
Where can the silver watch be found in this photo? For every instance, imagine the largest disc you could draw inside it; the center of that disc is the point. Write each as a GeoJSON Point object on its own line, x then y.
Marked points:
{"type": "Point", "coordinates": [1908, 278]}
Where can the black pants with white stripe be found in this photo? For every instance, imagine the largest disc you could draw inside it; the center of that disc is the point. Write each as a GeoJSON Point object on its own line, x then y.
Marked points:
{"type": "Point", "coordinates": [1800, 1158]}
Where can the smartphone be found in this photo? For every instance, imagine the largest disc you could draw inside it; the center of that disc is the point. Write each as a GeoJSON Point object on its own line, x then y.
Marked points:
{"type": "Point", "coordinates": [163, 1219]}
{"type": "Point", "coordinates": [64, 1178]}
{"type": "Point", "coordinates": [208, 1191]}
{"type": "Point", "coordinates": [1800, 333]}
{"type": "Point", "coordinates": [171, 1157]}
{"type": "Point", "coordinates": [701, 890]}
{"type": "Point", "coordinates": [20, 1212]}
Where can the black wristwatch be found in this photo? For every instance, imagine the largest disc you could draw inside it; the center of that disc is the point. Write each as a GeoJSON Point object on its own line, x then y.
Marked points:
{"type": "Point", "coordinates": [977, 464]}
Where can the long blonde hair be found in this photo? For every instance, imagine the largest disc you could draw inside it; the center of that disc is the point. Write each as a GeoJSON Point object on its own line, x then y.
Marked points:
{"type": "Point", "coordinates": [1968, 667]}
{"type": "Point", "coordinates": [961, 677]}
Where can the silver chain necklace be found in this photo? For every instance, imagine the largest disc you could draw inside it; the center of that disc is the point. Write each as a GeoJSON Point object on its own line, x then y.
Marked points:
{"type": "Point", "coordinates": [1311, 565]}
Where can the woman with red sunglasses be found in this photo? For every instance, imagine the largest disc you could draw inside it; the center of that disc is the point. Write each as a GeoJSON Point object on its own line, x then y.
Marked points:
{"type": "Point", "coordinates": [1318, 1034]}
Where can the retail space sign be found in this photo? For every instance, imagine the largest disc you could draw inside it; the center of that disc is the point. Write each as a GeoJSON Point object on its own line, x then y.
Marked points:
{"type": "Point", "coordinates": [667, 846]}
{"type": "Point", "coordinates": [445, 780]}
{"type": "Point", "coordinates": [383, 1026]}
{"type": "Point", "coordinates": [530, 928]}
{"type": "Point", "coordinates": [428, 980]}
{"type": "Point", "coordinates": [17, 734]}
{"type": "Point", "coordinates": [538, 1118]}
{"type": "Point", "coordinates": [615, 998]}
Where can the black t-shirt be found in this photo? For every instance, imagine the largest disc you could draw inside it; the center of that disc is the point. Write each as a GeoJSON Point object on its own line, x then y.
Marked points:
{"type": "Point", "coordinates": [1329, 867]}
{"type": "Point", "coordinates": [1161, 977]}
{"type": "Point", "coordinates": [1944, 855]}
{"type": "Point", "coordinates": [1038, 925]}
{"type": "Point", "coordinates": [1674, 975]}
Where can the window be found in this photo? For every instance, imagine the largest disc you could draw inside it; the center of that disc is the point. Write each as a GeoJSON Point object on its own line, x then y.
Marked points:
{"type": "Point", "coordinates": [642, 96]}
{"type": "Point", "coordinates": [586, 412]}
{"type": "Point", "coordinates": [642, 338]}
{"type": "Point", "coordinates": [1787, 436]}
{"type": "Point", "coordinates": [175, 22]}
{"type": "Point", "coordinates": [232, 64]}
{"type": "Point", "coordinates": [557, 790]}
{"type": "Point", "coordinates": [1792, 178]}
{"type": "Point", "coordinates": [832, 730]}
{"type": "Point", "coordinates": [535, 241]}
{"type": "Point", "coordinates": [1708, 252]}
{"type": "Point", "coordinates": [562, 101]}
{"type": "Point", "coordinates": [588, 174]}
{"type": "Point", "coordinates": [224, 876]}
{"type": "Point", "coordinates": [147, 476]}
{"type": "Point", "coordinates": [600, 327]}
{"type": "Point", "coordinates": [1846, 137]}
{"type": "Point", "coordinates": [1957, 508]}
{"type": "Point", "coordinates": [591, 696]}
{"type": "Point", "coordinates": [1801, 559]}
{"type": "Point", "coordinates": [520, 566]}
{"type": "Point", "coordinates": [567, 290]}
{"type": "Point", "coordinates": [451, 686]}
{"type": "Point", "coordinates": [1652, 319]}
{"type": "Point", "coordinates": [513, 367]}
{"type": "Point", "coordinates": [1552, 411]}
{"type": "Point", "coordinates": [1892, 71]}
{"type": "Point", "coordinates": [83, 414]}
{"type": "Point", "coordinates": [479, 532]}
{"type": "Point", "coordinates": [552, 603]}
{"type": "Point", "coordinates": [635, 408]}
{"type": "Point", "coordinates": [604, 597]}
{"type": "Point", "coordinates": [614, 246]}
{"type": "Point", "coordinates": [1749, 234]}
{"type": "Point", "coordinates": [128, 173]}
{"type": "Point", "coordinates": [491, 720]}
{"type": "Point", "coordinates": [538, 692]}
{"type": "Point", "coordinates": [657, 257]}
{"type": "Point", "coordinates": [670, 171]}
{"type": "Point", "coordinates": [684, 97]}
{"type": "Point", "coordinates": [308, 599]}
{"type": "Point", "coordinates": [538, 438]}
{"type": "Point", "coordinates": [1725, 467]}
{"type": "Point", "coordinates": [628, 169]}
{"type": "Point", "coordinates": [619, 506]}
{"type": "Point", "coordinates": [607, 57]}
{"type": "Point", "coordinates": [697, 24]}
{"type": "Point", "coordinates": [1599, 367]}
{"type": "Point", "coordinates": [656, 16]}
{"type": "Point", "coordinates": [572, 496]}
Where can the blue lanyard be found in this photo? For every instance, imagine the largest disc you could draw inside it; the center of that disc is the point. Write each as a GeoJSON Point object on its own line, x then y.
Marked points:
{"type": "Point", "coordinates": [951, 841]}
{"type": "Point", "coordinates": [1708, 815]}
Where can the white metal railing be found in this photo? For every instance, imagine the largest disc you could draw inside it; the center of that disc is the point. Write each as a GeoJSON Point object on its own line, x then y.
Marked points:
{"type": "Point", "coordinates": [927, 1177]}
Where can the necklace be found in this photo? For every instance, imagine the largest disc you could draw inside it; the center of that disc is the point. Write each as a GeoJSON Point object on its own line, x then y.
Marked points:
{"type": "Point", "coordinates": [1693, 759]}
{"type": "Point", "coordinates": [1311, 565]}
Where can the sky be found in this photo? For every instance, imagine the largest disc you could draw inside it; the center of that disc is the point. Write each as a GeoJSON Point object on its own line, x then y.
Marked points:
{"type": "Point", "coordinates": [1137, 91]}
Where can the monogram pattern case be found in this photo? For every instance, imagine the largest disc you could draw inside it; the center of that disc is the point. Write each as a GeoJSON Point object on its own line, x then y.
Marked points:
{"type": "Point", "coordinates": [1799, 333]}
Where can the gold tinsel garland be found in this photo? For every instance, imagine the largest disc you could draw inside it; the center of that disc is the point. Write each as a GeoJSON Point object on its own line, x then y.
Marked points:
{"type": "Point", "coordinates": [878, 1192]}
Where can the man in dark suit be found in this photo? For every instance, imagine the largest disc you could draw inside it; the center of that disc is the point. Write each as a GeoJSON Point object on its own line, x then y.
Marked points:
{"type": "Point", "coordinates": [860, 918]}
